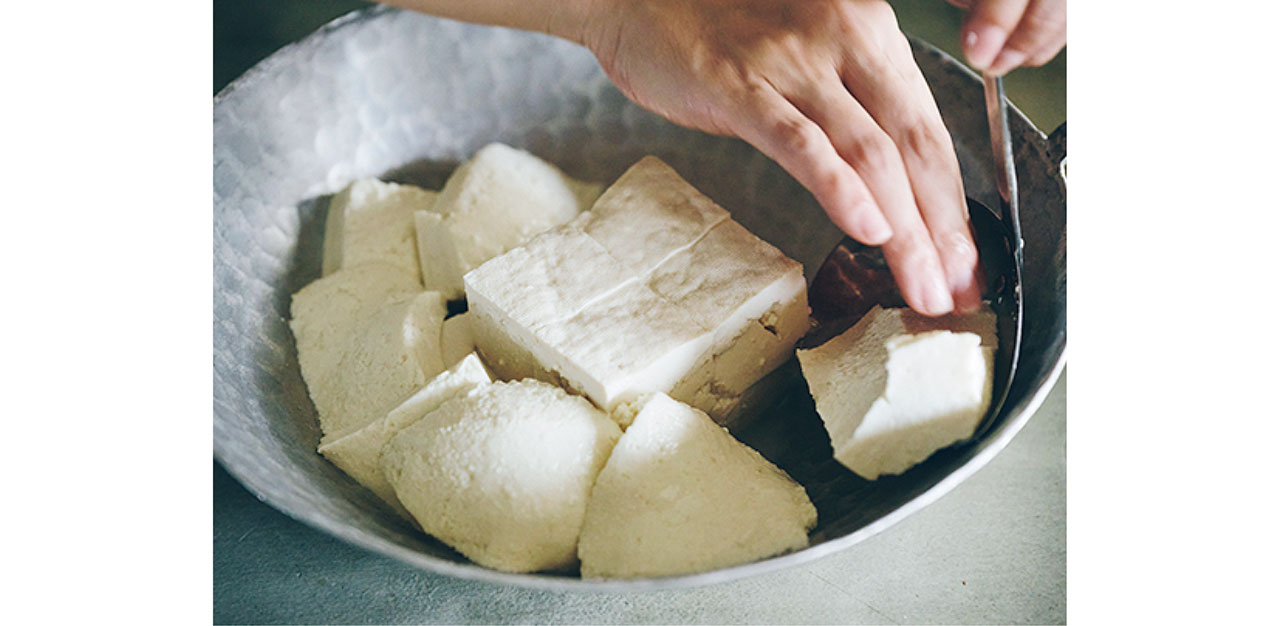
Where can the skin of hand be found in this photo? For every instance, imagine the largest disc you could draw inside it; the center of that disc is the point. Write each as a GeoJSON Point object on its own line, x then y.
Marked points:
{"type": "Point", "coordinates": [826, 88]}
{"type": "Point", "coordinates": [1000, 35]}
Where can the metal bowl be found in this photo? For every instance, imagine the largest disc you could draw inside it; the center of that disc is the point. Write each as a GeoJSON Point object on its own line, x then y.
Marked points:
{"type": "Point", "coordinates": [406, 97]}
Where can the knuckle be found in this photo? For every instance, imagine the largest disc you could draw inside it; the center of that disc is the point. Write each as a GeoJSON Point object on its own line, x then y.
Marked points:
{"type": "Point", "coordinates": [872, 154]}
{"type": "Point", "coordinates": [924, 140]}
{"type": "Point", "coordinates": [828, 184]}
{"type": "Point", "coordinates": [796, 135]}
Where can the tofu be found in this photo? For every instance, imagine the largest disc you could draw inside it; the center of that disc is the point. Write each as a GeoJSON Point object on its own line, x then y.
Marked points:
{"type": "Point", "coordinates": [372, 221]}
{"type": "Point", "coordinates": [630, 343]}
{"type": "Point", "coordinates": [496, 201]}
{"type": "Point", "coordinates": [456, 341]}
{"type": "Point", "coordinates": [367, 338]}
{"type": "Point", "coordinates": [898, 386]}
{"type": "Point", "coordinates": [655, 290]}
{"type": "Point", "coordinates": [357, 453]}
{"type": "Point", "coordinates": [750, 293]}
{"type": "Point", "coordinates": [503, 473]}
{"type": "Point", "coordinates": [679, 495]}
{"type": "Point", "coordinates": [550, 279]}
{"type": "Point", "coordinates": [649, 214]}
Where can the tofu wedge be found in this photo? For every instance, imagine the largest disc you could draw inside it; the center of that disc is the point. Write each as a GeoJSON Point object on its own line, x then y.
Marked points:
{"type": "Point", "coordinates": [357, 453]}
{"type": "Point", "coordinates": [367, 338]}
{"type": "Point", "coordinates": [502, 474]}
{"type": "Point", "coordinates": [898, 386]}
{"type": "Point", "coordinates": [680, 495]}
{"type": "Point", "coordinates": [372, 221]}
{"type": "Point", "coordinates": [496, 201]}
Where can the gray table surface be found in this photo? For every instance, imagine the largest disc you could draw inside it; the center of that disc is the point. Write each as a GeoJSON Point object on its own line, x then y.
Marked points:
{"type": "Point", "coordinates": [991, 551]}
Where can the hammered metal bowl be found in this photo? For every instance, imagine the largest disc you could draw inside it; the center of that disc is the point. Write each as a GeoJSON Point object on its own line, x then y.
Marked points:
{"type": "Point", "coordinates": [406, 97]}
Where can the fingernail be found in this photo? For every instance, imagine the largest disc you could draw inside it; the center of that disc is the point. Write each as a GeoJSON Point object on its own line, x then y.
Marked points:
{"type": "Point", "coordinates": [1008, 60]}
{"type": "Point", "coordinates": [981, 43]}
{"type": "Point", "coordinates": [873, 225]}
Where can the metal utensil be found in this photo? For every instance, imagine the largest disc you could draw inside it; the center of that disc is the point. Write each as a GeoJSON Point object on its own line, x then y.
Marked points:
{"type": "Point", "coordinates": [854, 277]}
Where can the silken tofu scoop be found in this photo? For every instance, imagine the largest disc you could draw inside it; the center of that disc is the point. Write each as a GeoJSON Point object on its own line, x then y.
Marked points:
{"type": "Point", "coordinates": [854, 277]}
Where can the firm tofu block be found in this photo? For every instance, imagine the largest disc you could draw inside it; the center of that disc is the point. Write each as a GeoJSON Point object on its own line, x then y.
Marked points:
{"type": "Point", "coordinates": [373, 221]}
{"type": "Point", "coordinates": [629, 343]}
{"type": "Point", "coordinates": [898, 386]}
{"type": "Point", "coordinates": [496, 201]}
{"type": "Point", "coordinates": [680, 495]}
{"type": "Point", "coordinates": [551, 278]}
{"type": "Point", "coordinates": [357, 453]}
{"type": "Point", "coordinates": [540, 283]}
{"type": "Point", "coordinates": [752, 295]}
{"type": "Point", "coordinates": [367, 338]}
{"type": "Point", "coordinates": [503, 473]}
{"type": "Point", "coordinates": [650, 213]}
{"type": "Point", "coordinates": [654, 290]}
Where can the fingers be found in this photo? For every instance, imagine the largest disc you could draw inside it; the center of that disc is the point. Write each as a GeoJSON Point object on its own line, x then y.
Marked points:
{"type": "Point", "coordinates": [900, 102]}
{"type": "Point", "coordinates": [1000, 35]}
{"type": "Point", "coordinates": [802, 148]}
{"type": "Point", "coordinates": [1039, 35]}
{"type": "Point", "coordinates": [865, 146]}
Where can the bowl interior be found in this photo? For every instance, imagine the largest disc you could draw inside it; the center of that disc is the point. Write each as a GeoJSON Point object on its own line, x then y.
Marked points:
{"type": "Point", "coordinates": [407, 97]}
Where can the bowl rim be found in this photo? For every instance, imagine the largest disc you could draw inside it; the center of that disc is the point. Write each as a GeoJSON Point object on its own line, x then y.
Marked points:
{"type": "Point", "coordinates": [998, 440]}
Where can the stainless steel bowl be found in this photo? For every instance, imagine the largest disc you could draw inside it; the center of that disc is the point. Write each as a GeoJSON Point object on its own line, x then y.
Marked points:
{"type": "Point", "coordinates": [406, 97]}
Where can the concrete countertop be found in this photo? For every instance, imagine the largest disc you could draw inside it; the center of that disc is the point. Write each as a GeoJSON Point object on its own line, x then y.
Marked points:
{"type": "Point", "coordinates": [991, 551]}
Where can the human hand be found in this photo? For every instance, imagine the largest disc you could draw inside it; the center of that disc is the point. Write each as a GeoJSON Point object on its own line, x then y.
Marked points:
{"type": "Point", "coordinates": [827, 88]}
{"type": "Point", "coordinates": [1000, 35]}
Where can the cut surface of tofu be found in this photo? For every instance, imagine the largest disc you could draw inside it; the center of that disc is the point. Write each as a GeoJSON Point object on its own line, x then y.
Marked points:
{"type": "Point", "coordinates": [655, 289]}
{"type": "Point", "coordinates": [367, 338]}
{"type": "Point", "coordinates": [456, 341]}
{"type": "Point", "coordinates": [898, 386]}
{"type": "Point", "coordinates": [752, 295]}
{"type": "Point", "coordinates": [502, 474]}
{"type": "Point", "coordinates": [680, 495]}
{"type": "Point", "coordinates": [496, 201]}
{"type": "Point", "coordinates": [372, 221]}
{"type": "Point", "coordinates": [662, 345]}
{"type": "Point", "coordinates": [357, 453]}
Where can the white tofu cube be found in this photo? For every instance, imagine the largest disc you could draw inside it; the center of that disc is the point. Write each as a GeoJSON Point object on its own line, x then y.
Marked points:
{"type": "Point", "coordinates": [367, 338]}
{"type": "Point", "coordinates": [898, 386]}
{"type": "Point", "coordinates": [502, 474]}
{"type": "Point", "coordinates": [654, 290]}
{"type": "Point", "coordinates": [680, 495]}
{"type": "Point", "coordinates": [357, 453]}
{"type": "Point", "coordinates": [373, 221]}
{"type": "Point", "coordinates": [496, 201]}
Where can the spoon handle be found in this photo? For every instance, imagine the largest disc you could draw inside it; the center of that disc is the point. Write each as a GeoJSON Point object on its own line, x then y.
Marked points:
{"type": "Point", "coordinates": [1002, 148]}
